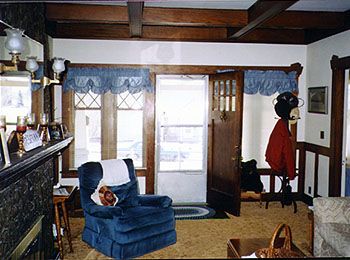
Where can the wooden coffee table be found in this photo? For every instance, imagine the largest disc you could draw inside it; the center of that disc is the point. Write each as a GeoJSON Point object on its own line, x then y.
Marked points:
{"type": "Point", "coordinates": [236, 248]}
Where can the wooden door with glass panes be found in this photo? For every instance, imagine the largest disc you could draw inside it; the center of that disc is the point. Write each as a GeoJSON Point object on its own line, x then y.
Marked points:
{"type": "Point", "coordinates": [225, 137]}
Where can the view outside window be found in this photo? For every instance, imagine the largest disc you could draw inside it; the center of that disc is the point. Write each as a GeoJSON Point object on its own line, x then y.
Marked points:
{"type": "Point", "coordinates": [130, 127]}
{"type": "Point", "coordinates": [87, 128]}
{"type": "Point", "coordinates": [181, 120]}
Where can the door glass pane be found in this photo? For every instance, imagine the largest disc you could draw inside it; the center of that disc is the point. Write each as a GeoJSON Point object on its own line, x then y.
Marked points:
{"type": "Point", "coordinates": [181, 148]}
{"type": "Point", "coordinates": [216, 96]}
{"type": "Point", "coordinates": [233, 93]}
{"type": "Point", "coordinates": [222, 95]}
{"type": "Point", "coordinates": [181, 115]}
{"type": "Point", "coordinates": [227, 87]}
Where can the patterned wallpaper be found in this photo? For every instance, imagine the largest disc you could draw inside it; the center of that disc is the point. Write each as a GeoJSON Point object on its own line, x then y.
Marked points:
{"type": "Point", "coordinates": [29, 17]}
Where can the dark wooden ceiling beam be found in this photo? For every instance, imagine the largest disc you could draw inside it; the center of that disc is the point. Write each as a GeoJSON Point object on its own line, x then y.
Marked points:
{"type": "Point", "coordinates": [306, 20]}
{"type": "Point", "coordinates": [260, 12]}
{"type": "Point", "coordinates": [151, 15]}
{"type": "Point", "coordinates": [183, 24]}
{"type": "Point", "coordinates": [190, 17]}
{"type": "Point", "coordinates": [91, 31]}
{"type": "Point", "coordinates": [194, 17]}
{"type": "Point", "coordinates": [135, 11]}
{"type": "Point", "coordinates": [281, 36]}
{"type": "Point", "coordinates": [87, 13]}
{"type": "Point", "coordinates": [172, 33]}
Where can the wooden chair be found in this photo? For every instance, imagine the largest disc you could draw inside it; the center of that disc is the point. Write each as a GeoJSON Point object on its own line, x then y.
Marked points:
{"type": "Point", "coordinates": [281, 195]}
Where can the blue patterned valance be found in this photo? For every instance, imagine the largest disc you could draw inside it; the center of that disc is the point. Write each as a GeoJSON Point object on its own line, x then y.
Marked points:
{"type": "Point", "coordinates": [102, 80]}
{"type": "Point", "coordinates": [268, 82]}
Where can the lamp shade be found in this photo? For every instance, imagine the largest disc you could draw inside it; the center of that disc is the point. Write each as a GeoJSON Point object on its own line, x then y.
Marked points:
{"type": "Point", "coordinates": [31, 64]}
{"type": "Point", "coordinates": [58, 65]}
{"type": "Point", "coordinates": [14, 40]}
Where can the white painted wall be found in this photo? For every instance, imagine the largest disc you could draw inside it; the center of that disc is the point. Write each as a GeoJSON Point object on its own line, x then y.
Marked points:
{"type": "Point", "coordinates": [187, 53]}
{"type": "Point", "coordinates": [319, 73]}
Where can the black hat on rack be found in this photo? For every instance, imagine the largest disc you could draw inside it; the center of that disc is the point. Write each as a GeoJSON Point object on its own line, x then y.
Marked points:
{"type": "Point", "coordinates": [290, 98]}
{"type": "Point", "coordinates": [286, 101]}
{"type": "Point", "coordinates": [282, 109]}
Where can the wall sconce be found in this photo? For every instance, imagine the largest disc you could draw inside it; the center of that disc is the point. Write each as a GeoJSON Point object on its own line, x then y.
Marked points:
{"type": "Point", "coordinates": [15, 44]}
{"type": "Point", "coordinates": [57, 67]}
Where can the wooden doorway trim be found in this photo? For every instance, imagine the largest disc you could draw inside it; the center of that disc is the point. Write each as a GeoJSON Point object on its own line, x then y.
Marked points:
{"type": "Point", "coordinates": [338, 65]}
{"type": "Point", "coordinates": [148, 172]}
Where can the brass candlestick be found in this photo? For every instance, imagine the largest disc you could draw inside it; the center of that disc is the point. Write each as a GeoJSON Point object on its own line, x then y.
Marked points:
{"type": "Point", "coordinates": [21, 128]}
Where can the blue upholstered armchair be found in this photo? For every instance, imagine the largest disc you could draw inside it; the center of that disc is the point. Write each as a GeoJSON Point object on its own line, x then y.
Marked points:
{"type": "Point", "coordinates": [135, 225]}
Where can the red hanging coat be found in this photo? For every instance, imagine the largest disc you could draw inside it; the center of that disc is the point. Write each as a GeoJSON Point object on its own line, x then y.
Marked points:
{"type": "Point", "coordinates": [279, 152]}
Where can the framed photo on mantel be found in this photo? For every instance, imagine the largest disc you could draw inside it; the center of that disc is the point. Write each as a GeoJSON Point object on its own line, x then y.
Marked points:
{"type": "Point", "coordinates": [317, 100]}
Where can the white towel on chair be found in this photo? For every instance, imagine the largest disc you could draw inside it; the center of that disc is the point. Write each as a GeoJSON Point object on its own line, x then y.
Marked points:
{"type": "Point", "coordinates": [115, 172]}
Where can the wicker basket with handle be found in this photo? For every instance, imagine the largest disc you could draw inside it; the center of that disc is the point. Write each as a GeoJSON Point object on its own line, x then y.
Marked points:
{"type": "Point", "coordinates": [283, 252]}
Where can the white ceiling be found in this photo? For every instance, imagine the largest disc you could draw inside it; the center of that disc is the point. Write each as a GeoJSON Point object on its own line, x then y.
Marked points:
{"type": "Point", "coordinates": [301, 5]}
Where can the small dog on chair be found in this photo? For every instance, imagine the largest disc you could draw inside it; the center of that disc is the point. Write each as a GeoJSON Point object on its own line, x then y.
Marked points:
{"type": "Point", "coordinates": [250, 178]}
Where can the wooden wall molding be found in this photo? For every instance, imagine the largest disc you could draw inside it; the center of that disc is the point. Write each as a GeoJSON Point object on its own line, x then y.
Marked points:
{"type": "Point", "coordinates": [191, 69]}
{"type": "Point", "coordinates": [338, 66]}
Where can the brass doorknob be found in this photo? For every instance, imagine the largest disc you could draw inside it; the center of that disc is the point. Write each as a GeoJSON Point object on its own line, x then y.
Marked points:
{"type": "Point", "coordinates": [236, 158]}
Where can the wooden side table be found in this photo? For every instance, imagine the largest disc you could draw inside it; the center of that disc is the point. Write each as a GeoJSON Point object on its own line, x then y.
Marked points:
{"type": "Point", "coordinates": [236, 248]}
{"type": "Point", "coordinates": [60, 196]}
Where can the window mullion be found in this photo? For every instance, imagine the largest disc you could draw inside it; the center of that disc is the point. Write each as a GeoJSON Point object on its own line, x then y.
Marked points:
{"type": "Point", "coordinates": [108, 127]}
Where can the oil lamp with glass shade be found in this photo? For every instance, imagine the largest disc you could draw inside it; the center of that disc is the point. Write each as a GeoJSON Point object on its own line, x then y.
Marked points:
{"type": "Point", "coordinates": [57, 67]}
{"type": "Point", "coordinates": [14, 43]}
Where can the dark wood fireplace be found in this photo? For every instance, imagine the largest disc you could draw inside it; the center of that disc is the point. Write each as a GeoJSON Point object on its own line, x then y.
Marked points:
{"type": "Point", "coordinates": [26, 207]}
{"type": "Point", "coordinates": [31, 246]}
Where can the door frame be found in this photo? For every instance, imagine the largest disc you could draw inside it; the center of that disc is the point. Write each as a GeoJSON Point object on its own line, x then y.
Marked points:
{"type": "Point", "coordinates": [338, 66]}
{"type": "Point", "coordinates": [204, 170]}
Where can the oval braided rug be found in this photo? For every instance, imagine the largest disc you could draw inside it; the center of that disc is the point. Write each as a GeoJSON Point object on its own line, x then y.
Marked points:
{"type": "Point", "coordinates": [193, 212]}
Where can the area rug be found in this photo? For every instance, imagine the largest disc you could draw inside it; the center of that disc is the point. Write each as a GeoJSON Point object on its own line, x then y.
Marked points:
{"type": "Point", "coordinates": [193, 212]}
{"type": "Point", "coordinates": [207, 238]}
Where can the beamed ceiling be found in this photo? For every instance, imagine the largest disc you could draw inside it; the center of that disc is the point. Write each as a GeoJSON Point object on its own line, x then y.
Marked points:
{"type": "Point", "coordinates": [264, 21]}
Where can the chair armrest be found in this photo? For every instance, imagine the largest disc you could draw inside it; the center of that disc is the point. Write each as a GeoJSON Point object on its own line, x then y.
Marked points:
{"type": "Point", "coordinates": [104, 211]}
{"type": "Point", "coordinates": [155, 200]}
{"type": "Point", "coordinates": [332, 210]}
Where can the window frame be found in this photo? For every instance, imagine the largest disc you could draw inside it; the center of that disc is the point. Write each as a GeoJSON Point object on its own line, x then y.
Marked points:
{"type": "Point", "coordinates": [109, 114]}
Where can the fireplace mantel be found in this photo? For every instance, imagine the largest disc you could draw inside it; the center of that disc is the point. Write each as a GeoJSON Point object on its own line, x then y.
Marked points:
{"type": "Point", "coordinates": [26, 194]}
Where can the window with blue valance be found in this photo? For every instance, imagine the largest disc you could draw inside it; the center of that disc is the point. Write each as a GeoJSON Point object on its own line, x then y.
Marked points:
{"type": "Point", "coordinates": [102, 80]}
{"type": "Point", "coordinates": [268, 82]}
